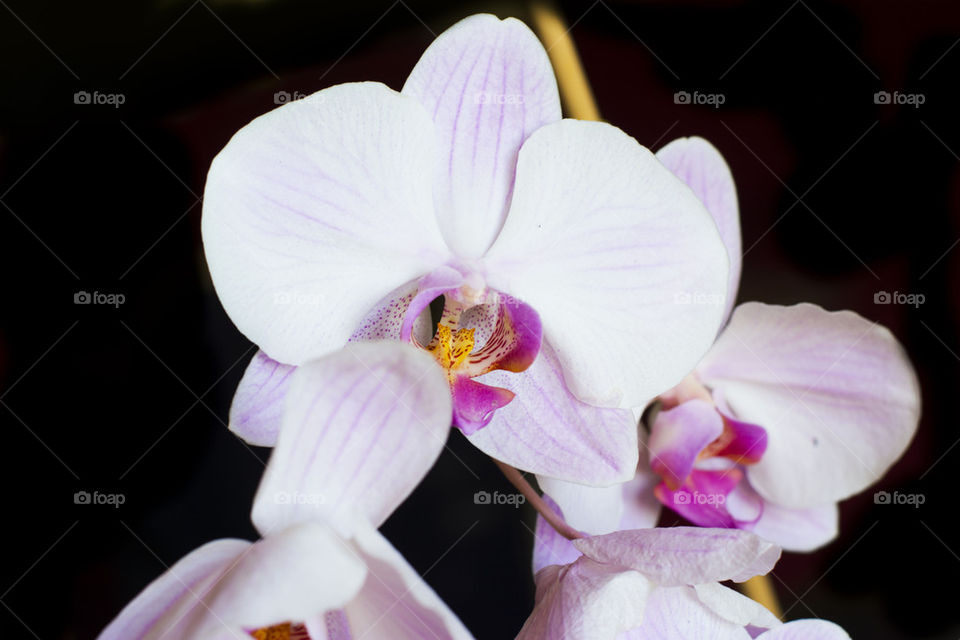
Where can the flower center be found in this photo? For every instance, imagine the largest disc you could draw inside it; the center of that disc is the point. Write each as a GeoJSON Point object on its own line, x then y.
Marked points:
{"type": "Point", "coordinates": [285, 631]}
{"type": "Point", "coordinates": [451, 349]}
{"type": "Point", "coordinates": [478, 332]}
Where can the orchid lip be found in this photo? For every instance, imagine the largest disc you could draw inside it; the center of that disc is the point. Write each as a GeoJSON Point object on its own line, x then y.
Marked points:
{"type": "Point", "coordinates": [479, 331]}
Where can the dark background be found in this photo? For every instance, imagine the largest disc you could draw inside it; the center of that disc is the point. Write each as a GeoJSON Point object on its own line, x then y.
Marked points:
{"type": "Point", "coordinates": [133, 399]}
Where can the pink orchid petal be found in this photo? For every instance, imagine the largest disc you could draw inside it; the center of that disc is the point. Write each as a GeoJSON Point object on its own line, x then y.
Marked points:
{"type": "Point", "coordinates": [586, 601]}
{"type": "Point", "coordinates": [488, 85]}
{"type": "Point", "coordinates": [315, 211]}
{"type": "Point", "coordinates": [474, 403]}
{"type": "Point", "coordinates": [160, 608]}
{"type": "Point", "coordinates": [746, 507]}
{"type": "Point", "coordinates": [429, 288]}
{"type": "Point", "coordinates": [622, 262]}
{"type": "Point", "coordinates": [703, 169]}
{"type": "Point", "coordinates": [361, 429]}
{"type": "Point", "coordinates": [678, 437]}
{"type": "Point", "coordinates": [549, 547]}
{"type": "Point", "coordinates": [806, 630]}
{"type": "Point", "coordinates": [385, 320]}
{"type": "Point", "coordinates": [741, 442]}
{"type": "Point", "coordinates": [641, 508]}
{"type": "Point", "coordinates": [798, 529]}
{"type": "Point", "coordinates": [836, 394]}
{"type": "Point", "coordinates": [547, 431]}
{"type": "Point", "coordinates": [702, 499]}
{"type": "Point", "coordinates": [257, 408]}
{"type": "Point", "coordinates": [677, 556]}
{"type": "Point", "coordinates": [515, 341]}
{"type": "Point", "coordinates": [675, 613]}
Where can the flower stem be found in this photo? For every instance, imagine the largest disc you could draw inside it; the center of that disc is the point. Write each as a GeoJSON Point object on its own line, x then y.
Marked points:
{"type": "Point", "coordinates": [571, 80]}
{"type": "Point", "coordinates": [537, 502]}
{"type": "Point", "coordinates": [760, 588]}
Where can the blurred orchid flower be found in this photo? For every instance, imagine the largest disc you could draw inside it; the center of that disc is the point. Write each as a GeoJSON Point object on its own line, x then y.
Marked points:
{"type": "Point", "coordinates": [558, 248]}
{"type": "Point", "coordinates": [791, 410]}
{"type": "Point", "coordinates": [321, 569]}
{"type": "Point", "coordinates": [656, 584]}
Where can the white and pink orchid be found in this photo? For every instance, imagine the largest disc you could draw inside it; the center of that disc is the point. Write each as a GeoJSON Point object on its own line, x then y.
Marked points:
{"type": "Point", "coordinates": [792, 409]}
{"type": "Point", "coordinates": [656, 584]}
{"type": "Point", "coordinates": [560, 249]}
{"type": "Point", "coordinates": [321, 569]}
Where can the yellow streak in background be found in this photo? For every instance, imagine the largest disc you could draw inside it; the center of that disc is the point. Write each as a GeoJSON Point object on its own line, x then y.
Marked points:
{"type": "Point", "coordinates": [760, 588]}
{"type": "Point", "coordinates": [579, 103]}
{"type": "Point", "coordinates": [575, 93]}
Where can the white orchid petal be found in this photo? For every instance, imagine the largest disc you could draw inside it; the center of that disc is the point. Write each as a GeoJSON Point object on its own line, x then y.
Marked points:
{"type": "Point", "coordinates": [593, 510]}
{"type": "Point", "coordinates": [622, 262]}
{"type": "Point", "coordinates": [315, 211]}
{"type": "Point", "coordinates": [675, 613]}
{"type": "Point", "coordinates": [161, 608]}
{"type": "Point", "coordinates": [835, 392]}
{"type": "Point", "coordinates": [586, 601]}
{"type": "Point", "coordinates": [674, 556]}
{"type": "Point", "coordinates": [362, 428]}
{"type": "Point", "coordinates": [732, 605]}
{"type": "Point", "coordinates": [395, 603]}
{"type": "Point", "coordinates": [488, 84]}
{"type": "Point", "coordinates": [257, 408]}
{"type": "Point", "coordinates": [546, 430]}
{"type": "Point", "coordinates": [703, 169]}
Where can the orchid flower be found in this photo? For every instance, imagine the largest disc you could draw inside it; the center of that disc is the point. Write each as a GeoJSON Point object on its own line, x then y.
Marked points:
{"type": "Point", "coordinates": [656, 584]}
{"type": "Point", "coordinates": [321, 569]}
{"type": "Point", "coordinates": [557, 247]}
{"type": "Point", "coordinates": [792, 409]}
